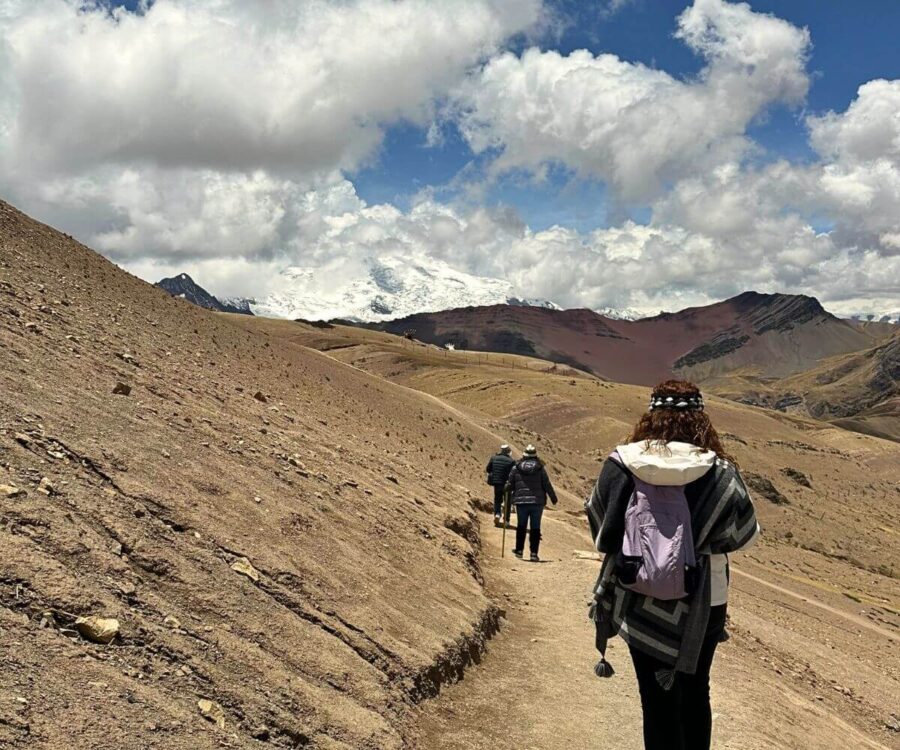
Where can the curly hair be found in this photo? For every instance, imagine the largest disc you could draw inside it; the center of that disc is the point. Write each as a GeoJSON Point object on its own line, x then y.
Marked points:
{"type": "Point", "coordinates": [689, 426]}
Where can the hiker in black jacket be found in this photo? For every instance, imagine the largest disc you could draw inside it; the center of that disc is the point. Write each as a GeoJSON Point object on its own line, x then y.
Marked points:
{"type": "Point", "coordinates": [529, 487]}
{"type": "Point", "coordinates": [498, 469]}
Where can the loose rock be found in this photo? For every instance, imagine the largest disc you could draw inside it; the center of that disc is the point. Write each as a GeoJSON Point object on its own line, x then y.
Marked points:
{"type": "Point", "coordinates": [46, 487]}
{"type": "Point", "coordinates": [245, 568]}
{"type": "Point", "coordinates": [122, 389]}
{"type": "Point", "coordinates": [212, 711]}
{"type": "Point", "coordinates": [796, 476]}
{"type": "Point", "coordinates": [11, 493]}
{"type": "Point", "coordinates": [764, 487]}
{"type": "Point", "coordinates": [261, 397]}
{"type": "Point", "coordinates": [97, 629]}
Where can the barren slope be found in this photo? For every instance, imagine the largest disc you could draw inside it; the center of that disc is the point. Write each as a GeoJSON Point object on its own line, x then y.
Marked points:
{"type": "Point", "coordinates": [347, 494]}
{"type": "Point", "coordinates": [346, 485]}
{"type": "Point", "coordinates": [858, 391]}
{"type": "Point", "coordinates": [774, 334]}
{"type": "Point", "coordinates": [816, 605]}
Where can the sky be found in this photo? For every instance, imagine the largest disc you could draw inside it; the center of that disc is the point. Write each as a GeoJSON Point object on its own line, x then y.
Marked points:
{"type": "Point", "coordinates": [643, 154]}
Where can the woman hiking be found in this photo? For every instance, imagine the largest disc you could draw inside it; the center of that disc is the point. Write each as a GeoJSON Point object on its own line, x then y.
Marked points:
{"type": "Point", "coordinates": [529, 487]}
{"type": "Point", "coordinates": [667, 508]}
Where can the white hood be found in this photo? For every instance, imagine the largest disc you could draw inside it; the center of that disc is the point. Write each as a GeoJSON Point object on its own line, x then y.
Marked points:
{"type": "Point", "coordinates": [667, 464]}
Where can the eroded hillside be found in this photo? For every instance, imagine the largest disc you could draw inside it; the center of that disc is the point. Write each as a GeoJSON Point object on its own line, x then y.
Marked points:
{"type": "Point", "coordinates": [817, 601]}
{"type": "Point", "coordinates": [274, 531]}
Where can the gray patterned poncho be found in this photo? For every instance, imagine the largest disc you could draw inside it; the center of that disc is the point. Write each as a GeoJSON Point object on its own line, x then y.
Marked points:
{"type": "Point", "coordinates": [723, 520]}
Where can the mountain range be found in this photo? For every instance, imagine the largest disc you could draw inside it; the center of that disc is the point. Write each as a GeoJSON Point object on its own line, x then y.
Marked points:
{"type": "Point", "coordinates": [228, 530]}
{"type": "Point", "coordinates": [185, 287]}
{"type": "Point", "coordinates": [773, 350]}
{"type": "Point", "coordinates": [777, 334]}
{"type": "Point", "coordinates": [378, 289]}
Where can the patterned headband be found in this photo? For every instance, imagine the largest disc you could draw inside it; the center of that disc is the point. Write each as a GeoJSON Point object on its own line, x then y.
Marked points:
{"type": "Point", "coordinates": [681, 403]}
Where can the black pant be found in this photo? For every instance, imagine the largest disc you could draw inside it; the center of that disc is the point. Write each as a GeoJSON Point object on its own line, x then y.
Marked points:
{"type": "Point", "coordinates": [679, 718]}
{"type": "Point", "coordinates": [499, 489]}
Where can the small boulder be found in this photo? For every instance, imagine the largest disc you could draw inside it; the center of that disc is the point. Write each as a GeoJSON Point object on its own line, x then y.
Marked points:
{"type": "Point", "coordinates": [261, 397]}
{"type": "Point", "coordinates": [122, 389]}
{"type": "Point", "coordinates": [212, 711]}
{"type": "Point", "coordinates": [98, 629]}
{"type": "Point", "coordinates": [795, 475]}
{"type": "Point", "coordinates": [9, 492]}
{"type": "Point", "coordinates": [243, 566]}
{"type": "Point", "coordinates": [172, 622]}
{"type": "Point", "coordinates": [764, 487]}
{"type": "Point", "coordinates": [46, 487]}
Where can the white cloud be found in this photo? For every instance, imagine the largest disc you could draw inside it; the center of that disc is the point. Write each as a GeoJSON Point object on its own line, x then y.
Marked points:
{"type": "Point", "coordinates": [631, 126]}
{"type": "Point", "coordinates": [212, 136]}
{"type": "Point", "coordinates": [226, 84]}
{"type": "Point", "coordinates": [859, 180]}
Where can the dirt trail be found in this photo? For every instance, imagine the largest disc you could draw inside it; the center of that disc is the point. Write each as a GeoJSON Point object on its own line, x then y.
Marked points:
{"type": "Point", "coordinates": [535, 689]}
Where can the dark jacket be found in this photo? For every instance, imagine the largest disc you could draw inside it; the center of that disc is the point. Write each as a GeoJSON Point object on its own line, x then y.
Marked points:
{"type": "Point", "coordinates": [498, 469]}
{"type": "Point", "coordinates": [529, 484]}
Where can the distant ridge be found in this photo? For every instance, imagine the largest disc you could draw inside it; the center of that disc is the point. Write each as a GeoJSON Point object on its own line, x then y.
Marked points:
{"type": "Point", "coordinates": [185, 287]}
{"type": "Point", "coordinates": [773, 335]}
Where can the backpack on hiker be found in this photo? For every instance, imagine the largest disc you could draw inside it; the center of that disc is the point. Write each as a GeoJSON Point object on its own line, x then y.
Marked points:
{"type": "Point", "coordinates": [657, 557]}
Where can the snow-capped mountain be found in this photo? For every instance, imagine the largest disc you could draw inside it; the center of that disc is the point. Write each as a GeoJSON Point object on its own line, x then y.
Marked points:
{"type": "Point", "coordinates": [185, 287]}
{"type": "Point", "coordinates": [624, 313]}
{"type": "Point", "coordinates": [381, 289]}
{"type": "Point", "coordinates": [892, 317]}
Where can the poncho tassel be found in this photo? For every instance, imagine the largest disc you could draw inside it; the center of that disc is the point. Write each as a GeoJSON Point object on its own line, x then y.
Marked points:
{"type": "Point", "coordinates": [604, 669]}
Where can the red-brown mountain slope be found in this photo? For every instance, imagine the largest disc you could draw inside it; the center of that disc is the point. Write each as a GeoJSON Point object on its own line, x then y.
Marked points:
{"type": "Point", "coordinates": [774, 334]}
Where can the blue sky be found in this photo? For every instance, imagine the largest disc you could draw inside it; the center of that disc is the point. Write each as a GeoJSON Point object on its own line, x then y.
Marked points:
{"type": "Point", "coordinates": [851, 44]}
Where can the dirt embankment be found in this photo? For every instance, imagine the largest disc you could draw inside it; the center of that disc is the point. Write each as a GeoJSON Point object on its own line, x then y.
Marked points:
{"type": "Point", "coordinates": [278, 534]}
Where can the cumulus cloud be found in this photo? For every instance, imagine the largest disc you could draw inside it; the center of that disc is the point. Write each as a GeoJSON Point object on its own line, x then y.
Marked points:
{"type": "Point", "coordinates": [213, 137]}
{"type": "Point", "coordinates": [226, 84]}
{"type": "Point", "coordinates": [634, 127]}
{"type": "Point", "coordinates": [858, 183]}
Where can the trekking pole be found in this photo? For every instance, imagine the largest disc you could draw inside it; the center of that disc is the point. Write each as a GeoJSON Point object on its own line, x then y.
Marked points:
{"type": "Point", "coordinates": [505, 506]}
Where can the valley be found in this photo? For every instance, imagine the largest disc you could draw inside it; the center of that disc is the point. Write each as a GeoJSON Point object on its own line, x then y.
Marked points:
{"type": "Point", "coordinates": [288, 523]}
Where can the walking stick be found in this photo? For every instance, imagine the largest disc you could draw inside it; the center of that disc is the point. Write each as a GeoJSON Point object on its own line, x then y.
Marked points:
{"type": "Point", "coordinates": [505, 523]}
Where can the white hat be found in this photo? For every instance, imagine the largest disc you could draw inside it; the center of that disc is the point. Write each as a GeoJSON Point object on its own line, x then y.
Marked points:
{"type": "Point", "coordinates": [530, 450]}
{"type": "Point", "coordinates": [505, 448]}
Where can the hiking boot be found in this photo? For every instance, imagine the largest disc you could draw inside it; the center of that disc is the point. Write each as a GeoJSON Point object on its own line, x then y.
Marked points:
{"type": "Point", "coordinates": [518, 553]}
{"type": "Point", "coordinates": [497, 523]}
{"type": "Point", "coordinates": [534, 557]}
{"type": "Point", "coordinates": [520, 541]}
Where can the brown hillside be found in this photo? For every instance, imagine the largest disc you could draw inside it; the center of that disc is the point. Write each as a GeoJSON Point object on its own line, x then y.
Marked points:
{"type": "Point", "coordinates": [290, 534]}
{"type": "Point", "coordinates": [858, 391]}
{"type": "Point", "coordinates": [348, 495]}
{"type": "Point", "coordinates": [774, 334]}
{"type": "Point", "coordinates": [822, 569]}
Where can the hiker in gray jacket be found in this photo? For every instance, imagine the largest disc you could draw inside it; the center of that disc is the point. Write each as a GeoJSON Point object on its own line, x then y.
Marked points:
{"type": "Point", "coordinates": [667, 508]}
{"type": "Point", "coordinates": [498, 469]}
{"type": "Point", "coordinates": [529, 487]}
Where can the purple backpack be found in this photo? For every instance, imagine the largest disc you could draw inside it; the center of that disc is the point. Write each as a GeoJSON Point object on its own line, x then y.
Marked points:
{"type": "Point", "coordinates": [657, 557]}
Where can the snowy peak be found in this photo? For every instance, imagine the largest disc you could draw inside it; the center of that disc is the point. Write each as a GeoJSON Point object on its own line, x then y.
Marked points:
{"type": "Point", "coordinates": [185, 287]}
{"type": "Point", "coordinates": [623, 313]}
{"type": "Point", "coordinates": [382, 288]}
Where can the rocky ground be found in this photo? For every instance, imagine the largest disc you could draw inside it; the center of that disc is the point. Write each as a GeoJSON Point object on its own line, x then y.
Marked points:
{"type": "Point", "coordinates": [272, 531]}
